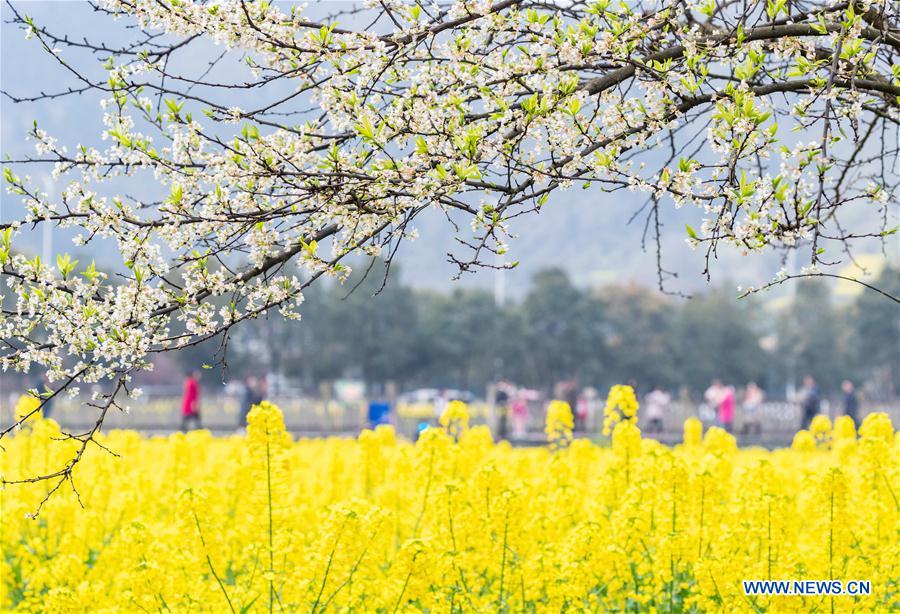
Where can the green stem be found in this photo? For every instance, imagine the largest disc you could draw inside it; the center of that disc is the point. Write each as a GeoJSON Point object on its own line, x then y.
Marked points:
{"type": "Point", "coordinates": [890, 490]}
{"type": "Point", "coordinates": [405, 583]}
{"type": "Point", "coordinates": [271, 540]}
{"type": "Point", "coordinates": [209, 560]}
{"type": "Point", "coordinates": [425, 496]}
{"type": "Point", "coordinates": [328, 567]}
{"type": "Point", "coordinates": [503, 559]}
{"type": "Point", "coordinates": [702, 501]}
{"type": "Point", "coordinates": [769, 542]}
{"type": "Point", "coordinates": [352, 571]}
{"type": "Point", "coordinates": [831, 531]}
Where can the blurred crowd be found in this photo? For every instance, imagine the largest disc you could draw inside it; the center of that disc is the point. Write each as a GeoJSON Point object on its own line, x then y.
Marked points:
{"type": "Point", "coordinates": [514, 410]}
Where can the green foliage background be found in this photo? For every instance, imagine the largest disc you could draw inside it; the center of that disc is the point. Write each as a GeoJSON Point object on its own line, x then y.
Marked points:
{"type": "Point", "coordinates": [599, 336]}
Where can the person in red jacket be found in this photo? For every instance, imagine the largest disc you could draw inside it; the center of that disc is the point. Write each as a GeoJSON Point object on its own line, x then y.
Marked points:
{"type": "Point", "coordinates": [190, 401]}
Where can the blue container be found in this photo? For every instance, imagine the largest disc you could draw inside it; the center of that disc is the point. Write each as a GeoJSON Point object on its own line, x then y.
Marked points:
{"type": "Point", "coordinates": [379, 413]}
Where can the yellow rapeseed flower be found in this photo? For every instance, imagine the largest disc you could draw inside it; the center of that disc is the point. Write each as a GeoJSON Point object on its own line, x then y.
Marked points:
{"type": "Point", "coordinates": [621, 404]}
{"type": "Point", "coordinates": [693, 432]}
{"type": "Point", "coordinates": [455, 419]}
{"type": "Point", "coordinates": [27, 408]}
{"type": "Point", "coordinates": [559, 424]}
{"type": "Point", "coordinates": [260, 523]}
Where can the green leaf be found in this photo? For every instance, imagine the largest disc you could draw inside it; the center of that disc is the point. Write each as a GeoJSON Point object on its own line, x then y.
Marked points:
{"type": "Point", "coordinates": [466, 171]}
{"type": "Point", "coordinates": [10, 176]}
{"type": "Point", "coordinates": [249, 605]}
{"type": "Point", "coordinates": [820, 27]}
{"type": "Point", "coordinates": [176, 194]}
{"type": "Point", "coordinates": [65, 264]}
{"type": "Point", "coordinates": [365, 129]}
{"type": "Point", "coordinates": [90, 273]}
{"type": "Point", "coordinates": [174, 106]}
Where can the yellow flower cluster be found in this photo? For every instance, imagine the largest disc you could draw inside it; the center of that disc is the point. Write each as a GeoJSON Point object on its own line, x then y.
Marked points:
{"type": "Point", "coordinates": [27, 408]}
{"type": "Point", "coordinates": [820, 428]}
{"type": "Point", "coordinates": [263, 523]}
{"type": "Point", "coordinates": [621, 405]}
{"type": "Point", "coordinates": [558, 425]}
{"type": "Point", "coordinates": [455, 419]}
{"type": "Point", "coordinates": [693, 432]}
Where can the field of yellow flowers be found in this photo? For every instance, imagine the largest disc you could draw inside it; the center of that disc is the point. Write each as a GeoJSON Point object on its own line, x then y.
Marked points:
{"type": "Point", "coordinates": [453, 522]}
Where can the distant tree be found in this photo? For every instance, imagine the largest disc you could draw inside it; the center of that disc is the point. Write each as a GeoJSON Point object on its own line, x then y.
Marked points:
{"type": "Point", "coordinates": [716, 337]}
{"type": "Point", "coordinates": [375, 327]}
{"type": "Point", "coordinates": [809, 338]}
{"type": "Point", "coordinates": [638, 331]}
{"type": "Point", "coordinates": [311, 352]}
{"type": "Point", "coordinates": [874, 341]}
{"type": "Point", "coordinates": [467, 339]}
{"type": "Point", "coordinates": [562, 338]}
{"type": "Point", "coordinates": [356, 329]}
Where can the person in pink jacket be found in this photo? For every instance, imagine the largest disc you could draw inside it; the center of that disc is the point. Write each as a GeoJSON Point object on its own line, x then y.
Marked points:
{"type": "Point", "coordinates": [726, 408]}
{"type": "Point", "coordinates": [722, 398]}
{"type": "Point", "coordinates": [190, 401]}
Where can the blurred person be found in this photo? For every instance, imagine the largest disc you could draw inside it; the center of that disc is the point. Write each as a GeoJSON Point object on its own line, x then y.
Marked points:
{"type": "Point", "coordinates": [501, 400]}
{"type": "Point", "coordinates": [569, 390]}
{"type": "Point", "coordinates": [726, 408]}
{"type": "Point", "coordinates": [252, 395]}
{"type": "Point", "coordinates": [713, 397]}
{"type": "Point", "coordinates": [582, 410]}
{"type": "Point", "coordinates": [263, 383]}
{"type": "Point", "coordinates": [750, 405]}
{"type": "Point", "coordinates": [810, 401]}
{"type": "Point", "coordinates": [190, 401]}
{"type": "Point", "coordinates": [721, 397]}
{"type": "Point", "coordinates": [591, 406]}
{"type": "Point", "coordinates": [656, 405]}
{"type": "Point", "coordinates": [713, 394]}
{"type": "Point", "coordinates": [519, 412]}
{"type": "Point", "coordinates": [851, 400]}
